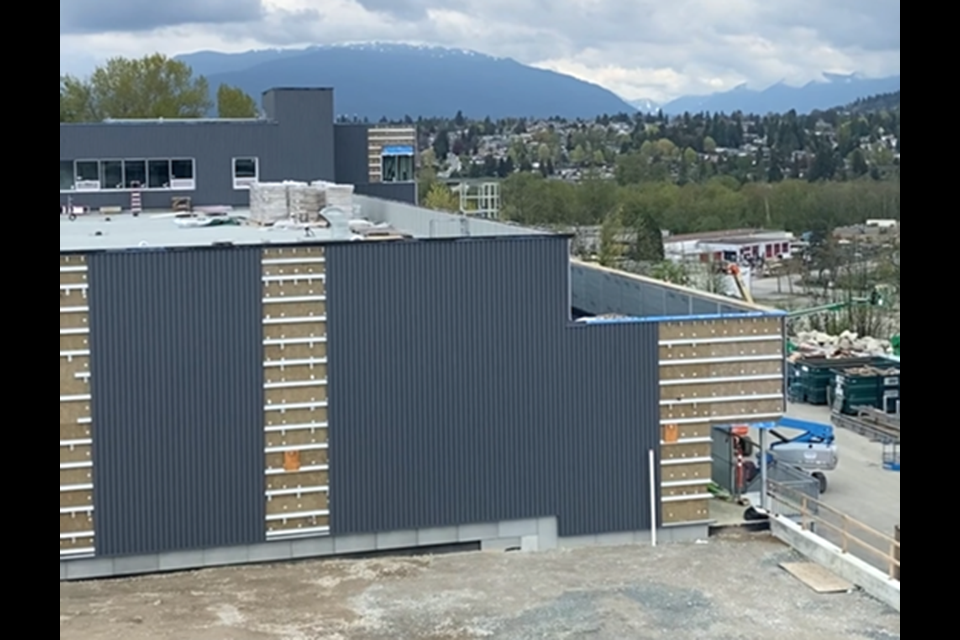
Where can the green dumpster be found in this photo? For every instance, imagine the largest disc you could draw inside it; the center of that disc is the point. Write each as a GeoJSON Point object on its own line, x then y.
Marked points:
{"type": "Point", "coordinates": [895, 343]}
{"type": "Point", "coordinates": [810, 380]}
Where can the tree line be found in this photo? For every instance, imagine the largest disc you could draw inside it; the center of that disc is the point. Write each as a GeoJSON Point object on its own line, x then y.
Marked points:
{"type": "Point", "coordinates": [151, 87]}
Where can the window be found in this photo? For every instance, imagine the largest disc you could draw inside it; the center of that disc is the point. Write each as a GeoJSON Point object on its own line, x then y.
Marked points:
{"type": "Point", "coordinates": [111, 174]}
{"type": "Point", "coordinates": [397, 164]}
{"type": "Point", "coordinates": [67, 177]}
{"type": "Point", "coordinates": [181, 174]}
{"type": "Point", "coordinates": [246, 172]}
{"type": "Point", "coordinates": [134, 174]}
{"type": "Point", "coordinates": [88, 175]}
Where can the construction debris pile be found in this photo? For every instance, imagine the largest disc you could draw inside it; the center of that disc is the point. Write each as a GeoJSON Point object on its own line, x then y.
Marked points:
{"type": "Point", "coordinates": [278, 201]}
{"type": "Point", "coordinates": [846, 345]}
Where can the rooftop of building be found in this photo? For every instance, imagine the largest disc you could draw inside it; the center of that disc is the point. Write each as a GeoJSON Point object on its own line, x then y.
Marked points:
{"type": "Point", "coordinates": [373, 219]}
{"type": "Point", "coordinates": [729, 235]}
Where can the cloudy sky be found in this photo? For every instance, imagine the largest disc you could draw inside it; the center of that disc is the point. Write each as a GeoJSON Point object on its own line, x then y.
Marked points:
{"type": "Point", "coordinates": [638, 48]}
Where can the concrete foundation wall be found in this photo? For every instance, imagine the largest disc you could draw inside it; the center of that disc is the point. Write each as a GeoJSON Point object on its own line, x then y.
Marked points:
{"type": "Point", "coordinates": [535, 535]}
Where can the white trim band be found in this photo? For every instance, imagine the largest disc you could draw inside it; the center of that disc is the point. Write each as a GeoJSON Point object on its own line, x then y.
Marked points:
{"type": "Point", "coordinates": [744, 420]}
{"type": "Point", "coordinates": [283, 408]}
{"type": "Point", "coordinates": [724, 360]}
{"type": "Point", "coordinates": [691, 498]}
{"type": "Point", "coordinates": [290, 342]}
{"type": "Point", "coordinates": [683, 342]}
{"type": "Point", "coordinates": [283, 517]}
{"type": "Point", "coordinates": [723, 399]}
{"type": "Point", "coordinates": [309, 426]}
{"type": "Point", "coordinates": [295, 320]}
{"type": "Point", "coordinates": [306, 362]}
{"type": "Point", "coordinates": [277, 262]}
{"type": "Point", "coordinates": [299, 491]}
{"type": "Point", "coordinates": [82, 398]}
{"type": "Point", "coordinates": [677, 462]}
{"type": "Point", "coordinates": [295, 300]}
{"type": "Point", "coordinates": [696, 381]}
{"type": "Point", "coordinates": [320, 468]}
{"type": "Point", "coordinates": [322, 446]}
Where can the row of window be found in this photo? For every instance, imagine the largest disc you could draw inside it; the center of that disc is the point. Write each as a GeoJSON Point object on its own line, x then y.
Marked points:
{"type": "Point", "coordinates": [176, 174]}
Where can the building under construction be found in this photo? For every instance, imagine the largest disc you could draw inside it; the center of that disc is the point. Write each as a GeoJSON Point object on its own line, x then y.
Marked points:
{"type": "Point", "coordinates": [233, 395]}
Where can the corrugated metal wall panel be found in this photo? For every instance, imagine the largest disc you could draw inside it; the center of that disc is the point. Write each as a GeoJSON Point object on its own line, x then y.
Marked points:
{"type": "Point", "coordinates": [177, 353]}
{"type": "Point", "coordinates": [477, 401]}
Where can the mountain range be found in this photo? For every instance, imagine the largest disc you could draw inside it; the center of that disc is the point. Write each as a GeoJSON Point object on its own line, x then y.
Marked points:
{"type": "Point", "coordinates": [376, 80]}
{"type": "Point", "coordinates": [393, 81]}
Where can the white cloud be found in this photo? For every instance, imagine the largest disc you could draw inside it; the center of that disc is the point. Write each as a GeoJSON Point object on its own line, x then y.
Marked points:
{"type": "Point", "coordinates": [638, 48]}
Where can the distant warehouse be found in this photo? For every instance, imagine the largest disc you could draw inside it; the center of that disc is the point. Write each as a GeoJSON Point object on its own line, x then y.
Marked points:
{"type": "Point", "coordinates": [232, 395]}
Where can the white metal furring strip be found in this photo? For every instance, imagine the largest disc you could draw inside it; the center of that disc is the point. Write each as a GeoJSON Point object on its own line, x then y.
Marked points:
{"type": "Point", "coordinates": [73, 269]}
{"type": "Point", "coordinates": [80, 331]}
{"type": "Point", "coordinates": [705, 440]}
{"type": "Point", "coordinates": [67, 511]}
{"type": "Point", "coordinates": [696, 381]}
{"type": "Point", "coordinates": [79, 553]}
{"type": "Point", "coordinates": [278, 262]}
{"type": "Point", "coordinates": [66, 310]}
{"type": "Point", "coordinates": [69, 466]}
{"type": "Point", "coordinates": [298, 384]}
{"type": "Point", "coordinates": [298, 533]}
{"type": "Point", "coordinates": [80, 535]}
{"type": "Point", "coordinates": [676, 484]}
{"type": "Point", "coordinates": [281, 517]}
{"type": "Point", "coordinates": [80, 398]}
{"type": "Point", "coordinates": [74, 287]}
{"type": "Point", "coordinates": [280, 493]}
{"type": "Point", "coordinates": [283, 472]}
{"type": "Point", "coordinates": [719, 400]}
{"type": "Point", "coordinates": [678, 462]}
{"type": "Point", "coordinates": [283, 408]}
{"type": "Point", "coordinates": [71, 488]}
{"type": "Point", "coordinates": [745, 420]}
{"type": "Point", "coordinates": [725, 360]}
{"type": "Point", "coordinates": [306, 362]}
{"type": "Point", "coordinates": [691, 498]}
{"type": "Point", "coordinates": [295, 300]}
{"type": "Point", "coordinates": [290, 342]}
{"type": "Point", "coordinates": [70, 355]}
{"type": "Point", "coordinates": [322, 446]}
{"type": "Point", "coordinates": [85, 442]}
{"type": "Point", "coordinates": [295, 320]}
{"type": "Point", "coordinates": [308, 426]}
{"type": "Point", "coordinates": [684, 342]}
{"type": "Point", "coordinates": [300, 277]}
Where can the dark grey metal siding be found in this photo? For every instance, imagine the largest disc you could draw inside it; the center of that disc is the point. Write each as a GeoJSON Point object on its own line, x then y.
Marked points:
{"type": "Point", "coordinates": [460, 392]}
{"type": "Point", "coordinates": [177, 383]}
{"type": "Point", "coordinates": [352, 164]}
{"type": "Point", "coordinates": [297, 143]}
{"type": "Point", "coordinates": [399, 191]}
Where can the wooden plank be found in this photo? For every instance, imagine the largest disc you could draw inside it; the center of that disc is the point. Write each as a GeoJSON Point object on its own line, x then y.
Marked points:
{"type": "Point", "coordinates": [296, 395]}
{"type": "Point", "coordinates": [298, 480]}
{"type": "Point", "coordinates": [272, 290]}
{"type": "Point", "coordinates": [309, 458]}
{"type": "Point", "coordinates": [298, 504]}
{"type": "Point", "coordinates": [70, 499]}
{"type": "Point", "coordinates": [721, 370]}
{"type": "Point", "coordinates": [685, 472]}
{"type": "Point", "coordinates": [275, 353]}
{"type": "Point", "coordinates": [295, 438]}
{"type": "Point", "coordinates": [688, 511]}
{"type": "Point", "coordinates": [74, 431]}
{"type": "Point", "coordinates": [296, 331]}
{"type": "Point", "coordinates": [296, 416]}
{"type": "Point", "coordinates": [709, 410]}
{"type": "Point", "coordinates": [70, 477]}
{"type": "Point", "coordinates": [817, 578]}
{"type": "Point", "coordinates": [295, 374]}
{"type": "Point", "coordinates": [76, 522]}
{"type": "Point", "coordinates": [76, 454]}
{"type": "Point", "coordinates": [297, 523]}
{"type": "Point", "coordinates": [72, 412]}
{"type": "Point", "coordinates": [721, 350]}
{"type": "Point", "coordinates": [708, 389]}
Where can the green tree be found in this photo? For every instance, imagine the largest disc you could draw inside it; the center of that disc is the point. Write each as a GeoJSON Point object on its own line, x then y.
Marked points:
{"type": "Point", "coordinates": [150, 87]}
{"type": "Point", "coordinates": [232, 102]}
{"type": "Point", "coordinates": [858, 164]}
{"type": "Point", "coordinates": [611, 239]}
{"type": "Point", "coordinates": [441, 198]}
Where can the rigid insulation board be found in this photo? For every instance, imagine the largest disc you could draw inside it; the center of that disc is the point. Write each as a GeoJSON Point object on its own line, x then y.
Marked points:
{"type": "Point", "coordinates": [713, 372]}
{"type": "Point", "coordinates": [461, 393]}
{"type": "Point", "coordinates": [77, 527]}
{"type": "Point", "coordinates": [177, 370]}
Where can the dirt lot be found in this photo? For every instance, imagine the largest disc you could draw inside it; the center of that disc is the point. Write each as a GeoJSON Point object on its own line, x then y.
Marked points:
{"type": "Point", "coordinates": [729, 589]}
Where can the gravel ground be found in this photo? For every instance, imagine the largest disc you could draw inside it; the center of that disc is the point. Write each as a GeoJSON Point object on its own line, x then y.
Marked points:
{"type": "Point", "coordinates": [727, 589]}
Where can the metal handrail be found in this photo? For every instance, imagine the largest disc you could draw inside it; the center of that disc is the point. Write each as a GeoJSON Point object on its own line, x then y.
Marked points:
{"type": "Point", "coordinates": [811, 513]}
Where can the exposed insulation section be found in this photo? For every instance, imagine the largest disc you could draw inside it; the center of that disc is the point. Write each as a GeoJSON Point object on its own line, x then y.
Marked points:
{"type": "Point", "coordinates": [712, 373]}
{"type": "Point", "coordinates": [295, 392]}
{"type": "Point", "coordinates": [380, 137]}
{"type": "Point", "coordinates": [76, 459]}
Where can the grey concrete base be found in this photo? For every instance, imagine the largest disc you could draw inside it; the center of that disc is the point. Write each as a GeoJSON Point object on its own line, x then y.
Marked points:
{"type": "Point", "coordinates": [525, 535]}
{"type": "Point", "coordinates": [844, 565]}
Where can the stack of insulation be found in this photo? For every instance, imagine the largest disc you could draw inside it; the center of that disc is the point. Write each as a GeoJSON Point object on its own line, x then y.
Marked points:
{"type": "Point", "coordinates": [306, 202]}
{"type": "Point", "coordinates": [846, 345]}
{"type": "Point", "coordinates": [269, 202]}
